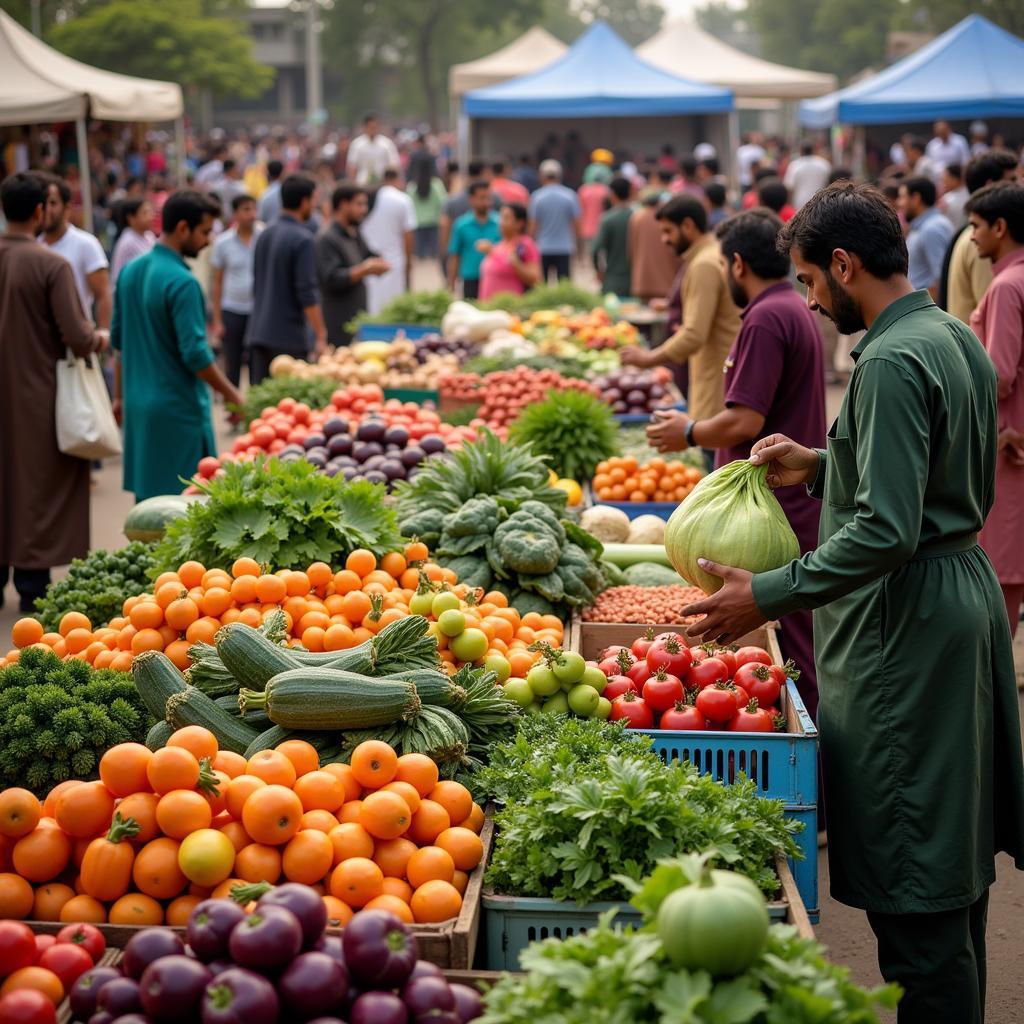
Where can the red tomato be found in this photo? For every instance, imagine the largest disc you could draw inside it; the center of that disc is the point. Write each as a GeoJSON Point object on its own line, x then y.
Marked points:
{"type": "Point", "coordinates": [633, 709]}
{"type": "Point", "coordinates": [617, 664]}
{"type": "Point", "coordinates": [751, 718]}
{"type": "Point", "coordinates": [742, 697]}
{"type": "Point", "coordinates": [662, 691]}
{"type": "Point", "coordinates": [745, 654]}
{"type": "Point", "coordinates": [88, 936]}
{"type": "Point", "coordinates": [67, 961]}
{"type": "Point", "coordinates": [208, 466]}
{"type": "Point", "coordinates": [640, 673]}
{"type": "Point", "coordinates": [727, 656]}
{"type": "Point", "coordinates": [698, 654]}
{"type": "Point", "coordinates": [642, 644]}
{"type": "Point", "coordinates": [17, 947]}
{"type": "Point", "coordinates": [684, 717]}
{"type": "Point", "coordinates": [759, 681]}
{"type": "Point", "coordinates": [708, 672]}
{"type": "Point", "coordinates": [669, 651]}
{"type": "Point", "coordinates": [717, 703]}
{"type": "Point", "coordinates": [617, 686]}
{"type": "Point", "coordinates": [27, 1006]}
{"type": "Point", "coordinates": [43, 943]}
{"type": "Point", "coordinates": [612, 651]}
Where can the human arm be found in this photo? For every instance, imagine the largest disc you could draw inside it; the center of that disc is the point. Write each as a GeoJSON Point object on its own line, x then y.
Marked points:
{"type": "Point", "coordinates": [933, 252]}
{"type": "Point", "coordinates": [598, 250]}
{"type": "Point", "coordinates": [73, 325]}
{"type": "Point", "coordinates": [1004, 337]}
{"type": "Point", "coordinates": [103, 303]}
{"type": "Point", "coordinates": [189, 320]}
{"type": "Point", "coordinates": [214, 376]}
{"type": "Point", "coordinates": [454, 247]}
{"type": "Point", "coordinates": [305, 283]}
{"type": "Point", "coordinates": [528, 269]}
{"type": "Point", "coordinates": [216, 295]}
{"type": "Point", "coordinates": [408, 243]}
{"type": "Point", "coordinates": [732, 426]}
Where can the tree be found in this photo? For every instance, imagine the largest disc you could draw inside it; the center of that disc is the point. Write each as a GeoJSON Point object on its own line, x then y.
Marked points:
{"type": "Point", "coordinates": [938, 15]}
{"type": "Point", "coordinates": [174, 40]}
{"type": "Point", "coordinates": [635, 20]}
{"type": "Point", "coordinates": [720, 19]}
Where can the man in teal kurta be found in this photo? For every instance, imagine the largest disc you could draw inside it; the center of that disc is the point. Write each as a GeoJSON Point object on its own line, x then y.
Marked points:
{"type": "Point", "coordinates": [165, 364]}
{"type": "Point", "coordinates": [920, 731]}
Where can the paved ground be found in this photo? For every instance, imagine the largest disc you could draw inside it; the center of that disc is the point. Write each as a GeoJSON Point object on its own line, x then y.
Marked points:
{"type": "Point", "coordinates": [842, 929]}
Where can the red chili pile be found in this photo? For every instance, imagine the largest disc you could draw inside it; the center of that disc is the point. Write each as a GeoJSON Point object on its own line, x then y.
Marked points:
{"type": "Point", "coordinates": [648, 605]}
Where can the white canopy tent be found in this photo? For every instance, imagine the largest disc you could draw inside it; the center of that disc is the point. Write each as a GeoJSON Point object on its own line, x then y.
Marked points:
{"type": "Point", "coordinates": [40, 85]}
{"type": "Point", "coordinates": [683, 48]}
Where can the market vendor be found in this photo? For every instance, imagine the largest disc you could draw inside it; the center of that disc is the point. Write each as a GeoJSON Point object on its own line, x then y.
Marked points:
{"type": "Point", "coordinates": [919, 725]}
{"type": "Point", "coordinates": [774, 383]}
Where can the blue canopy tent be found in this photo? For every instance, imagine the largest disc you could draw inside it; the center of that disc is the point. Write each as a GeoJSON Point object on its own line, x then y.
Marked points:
{"type": "Point", "coordinates": [972, 70]}
{"type": "Point", "coordinates": [602, 89]}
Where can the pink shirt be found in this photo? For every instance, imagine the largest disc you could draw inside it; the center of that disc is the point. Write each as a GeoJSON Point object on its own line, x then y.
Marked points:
{"type": "Point", "coordinates": [592, 199]}
{"type": "Point", "coordinates": [497, 273]}
{"type": "Point", "coordinates": [509, 191]}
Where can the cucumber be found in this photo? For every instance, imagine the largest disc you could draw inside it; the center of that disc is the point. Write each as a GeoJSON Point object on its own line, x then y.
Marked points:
{"type": "Point", "coordinates": [193, 707]}
{"type": "Point", "coordinates": [157, 680]}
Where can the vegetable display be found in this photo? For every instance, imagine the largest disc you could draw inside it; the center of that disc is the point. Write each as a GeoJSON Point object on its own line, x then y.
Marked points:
{"type": "Point", "coordinates": [636, 392]}
{"type": "Point", "coordinates": [563, 683]}
{"type": "Point", "coordinates": [624, 478]}
{"type": "Point", "coordinates": [732, 518]}
{"type": "Point", "coordinates": [312, 392]}
{"type": "Point", "coordinates": [544, 297]}
{"type": "Point", "coordinates": [149, 519]}
{"type": "Point", "coordinates": [424, 309]}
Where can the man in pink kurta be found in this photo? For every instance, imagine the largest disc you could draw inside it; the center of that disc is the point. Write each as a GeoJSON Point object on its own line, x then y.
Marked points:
{"type": "Point", "coordinates": [997, 220]}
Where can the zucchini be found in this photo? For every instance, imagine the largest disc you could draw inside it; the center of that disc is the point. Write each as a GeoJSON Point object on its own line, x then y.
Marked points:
{"type": "Point", "coordinates": [326, 743]}
{"type": "Point", "coordinates": [158, 736]}
{"type": "Point", "coordinates": [433, 686]}
{"type": "Point", "coordinates": [250, 657]}
{"type": "Point", "coordinates": [255, 719]}
{"type": "Point", "coordinates": [193, 707]}
{"type": "Point", "coordinates": [324, 698]}
{"type": "Point", "coordinates": [156, 679]}
{"type": "Point", "coordinates": [625, 555]}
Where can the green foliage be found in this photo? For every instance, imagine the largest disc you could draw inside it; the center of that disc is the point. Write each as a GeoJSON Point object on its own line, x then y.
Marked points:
{"type": "Point", "coordinates": [618, 975]}
{"type": "Point", "coordinates": [283, 514]}
{"type": "Point", "coordinates": [544, 296]}
{"type": "Point", "coordinates": [58, 717]}
{"type": "Point", "coordinates": [574, 429]}
{"type": "Point", "coordinates": [581, 812]}
{"type": "Point", "coordinates": [171, 40]}
{"type": "Point", "coordinates": [315, 392]}
{"type": "Point", "coordinates": [97, 585]}
{"type": "Point", "coordinates": [423, 309]}
{"type": "Point", "coordinates": [635, 20]}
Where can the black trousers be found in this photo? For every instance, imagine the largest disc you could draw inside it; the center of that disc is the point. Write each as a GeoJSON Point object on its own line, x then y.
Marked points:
{"type": "Point", "coordinates": [260, 358]}
{"type": "Point", "coordinates": [939, 959]}
{"type": "Point", "coordinates": [29, 583]}
{"type": "Point", "coordinates": [558, 262]}
{"type": "Point", "coordinates": [470, 289]}
{"type": "Point", "coordinates": [234, 344]}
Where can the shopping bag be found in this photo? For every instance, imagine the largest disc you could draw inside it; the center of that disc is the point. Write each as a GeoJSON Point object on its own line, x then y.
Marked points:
{"type": "Point", "coordinates": [86, 427]}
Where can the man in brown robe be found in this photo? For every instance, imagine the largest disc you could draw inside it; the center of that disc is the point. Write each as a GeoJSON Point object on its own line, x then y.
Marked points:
{"type": "Point", "coordinates": [654, 265]}
{"type": "Point", "coordinates": [44, 495]}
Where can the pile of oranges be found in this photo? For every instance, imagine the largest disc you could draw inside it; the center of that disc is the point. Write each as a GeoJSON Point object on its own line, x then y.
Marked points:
{"type": "Point", "coordinates": [324, 611]}
{"type": "Point", "coordinates": [626, 479]}
{"type": "Point", "coordinates": [161, 831]}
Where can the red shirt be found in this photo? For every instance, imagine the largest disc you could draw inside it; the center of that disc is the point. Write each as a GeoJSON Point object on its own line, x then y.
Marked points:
{"type": "Point", "coordinates": [509, 191]}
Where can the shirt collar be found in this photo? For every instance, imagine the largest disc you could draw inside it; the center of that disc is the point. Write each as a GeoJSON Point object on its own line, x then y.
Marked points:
{"type": "Point", "coordinates": [894, 311]}
{"type": "Point", "coordinates": [775, 289]}
{"type": "Point", "coordinates": [165, 250]}
{"type": "Point", "coordinates": [1011, 259]}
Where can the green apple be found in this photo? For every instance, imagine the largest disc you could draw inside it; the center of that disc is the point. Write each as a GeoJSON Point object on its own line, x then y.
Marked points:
{"type": "Point", "coordinates": [422, 604]}
{"type": "Point", "coordinates": [542, 680]}
{"type": "Point", "coordinates": [452, 622]}
{"type": "Point", "coordinates": [443, 602]}
{"type": "Point", "coordinates": [569, 667]}
{"type": "Point", "coordinates": [518, 690]}
{"type": "Point", "coordinates": [499, 666]}
{"type": "Point", "coordinates": [470, 644]}
{"type": "Point", "coordinates": [584, 700]}
{"type": "Point", "coordinates": [604, 708]}
{"type": "Point", "coordinates": [557, 705]}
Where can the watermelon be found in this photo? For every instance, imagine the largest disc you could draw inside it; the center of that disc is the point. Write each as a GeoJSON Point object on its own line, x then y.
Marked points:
{"type": "Point", "coordinates": [148, 520]}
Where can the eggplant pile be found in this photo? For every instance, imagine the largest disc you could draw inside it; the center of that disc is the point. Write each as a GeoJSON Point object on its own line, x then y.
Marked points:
{"type": "Point", "coordinates": [436, 345]}
{"type": "Point", "coordinates": [635, 391]}
{"type": "Point", "coordinates": [271, 966]}
{"type": "Point", "coordinates": [372, 451]}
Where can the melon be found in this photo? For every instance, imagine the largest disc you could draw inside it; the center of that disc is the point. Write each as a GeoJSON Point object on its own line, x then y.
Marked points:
{"type": "Point", "coordinates": [148, 519]}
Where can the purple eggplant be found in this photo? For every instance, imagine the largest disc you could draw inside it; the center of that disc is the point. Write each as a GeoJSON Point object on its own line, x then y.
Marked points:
{"type": "Point", "coordinates": [373, 462]}
{"type": "Point", "coordinates": [119, 996]}
{"type": "Point", "coordinates": [269, 937]}
{"type": "Point", "coordinates": [432, 443]}
{"type": "Point", "coordinates": [133, 1018]}
{"type": "Point", "coordinates": [363, 450]}
{"type": "Point", "coordinates": [371, 429]}
{"type": "Point", "coordinates": [379, 949]}
{"type": "Point", "coordinates": [86, 989]}
{"type": "Point", "coordinates": [239, 996]}
{"type": "Point", "coordinates": [378, 1008]}
{"type": "Point", "coordinates": [468, 1002]}
{"type": "Point", "coordinates": [426, 997]}
{"type": "Point", "coordinates": [317, 457]}
{"type": "Point", "coordinates": [101, 1017]}
{"type": "Point", "coordinates": [218, 967]}
{"type": "Point", "coordinates": [392, 469]}
{"type": "Point", "coordinates": [307, 906]}
{"type": "Point", "coordinates": [172, 987]}
{"type": "Point", "coordinates": [349, 472]}
{"type": "Point", "coordinates": [314, 440]}
{"type": "Point", "coordinates": [332, 469]}
{"type": "Point", "coordinates": [425, 969]}
{"type": "Point", "coordinates": [331, 945]}
{"type": "Point", "coordinates": [375, 476]}
{"type": "Point", "coordinates": [209, 928]}
{"type": "Point", "coordinates": [412, 456]}
{"type": "Point", "coordinates": [311, 985]}
{"type": "Point", "coordinates": [335, 425]}
{"type": "Point", "coordinates": [340, 444]}
{"type": "Point", "coordinates": [396, 435]}
{"type": "Point", "coordinates": [149, 945]}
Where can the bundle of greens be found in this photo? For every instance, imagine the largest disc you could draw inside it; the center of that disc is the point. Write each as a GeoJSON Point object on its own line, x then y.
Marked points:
{"type": "Point", "coordinates": [98, 585]}
{"type": "Point", "coordinates": [314, 391]}
{"type": "Point", "coordinates": [58, 717]}
{"type": "Point", "coordinates": [543, 296]}
{"type": "Point", "coordinates": [574, 429]}
{"type": "Point", "coordinates": [282, 514]}
{"type": "Point", "coordinates": [423, 309]}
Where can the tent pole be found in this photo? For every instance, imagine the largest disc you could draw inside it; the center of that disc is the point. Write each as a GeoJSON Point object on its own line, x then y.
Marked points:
{"type": "Point", "coordinates": [82, 141]}
{"type": "Point", "coordinates": [179, 145]}
{"type": "Point", "coordinates": [733, 135]}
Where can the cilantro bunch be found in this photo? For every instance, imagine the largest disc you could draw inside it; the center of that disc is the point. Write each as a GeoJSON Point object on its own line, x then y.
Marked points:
{"type": "Point", "coordinates": [283, 514]}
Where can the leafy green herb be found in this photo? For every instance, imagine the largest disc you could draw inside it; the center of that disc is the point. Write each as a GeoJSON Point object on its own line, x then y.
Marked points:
{"type": "Point", "coordinates": [424, 309]}
{"type": "Point", "coordinates": [314, 391]}
{"type": "Point", "coordinates": [543, 296]}
{"type": "Point", "coordinates": [283, 514]}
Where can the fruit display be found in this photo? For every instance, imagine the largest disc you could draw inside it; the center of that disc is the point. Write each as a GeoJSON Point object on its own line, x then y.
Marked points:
{"type": "Point", "coordinates": [313, 392]}
{"type": "Point", "coordinates": [562, 683]}
{"type": "Point", "coordinates": [626, 479]}
{"type": "Point", "coordinates": [161, 830]}
{"type": "Point", "coordinates": [435, 344]}
{"type": "Point", "coordinates": [565, 295]}
{"type": "Point", "coordinates": [636, 392]}
{"type": "Point", "coordinates": [593, 330]}
{"type": "Point", "coordinates": [639, 602]}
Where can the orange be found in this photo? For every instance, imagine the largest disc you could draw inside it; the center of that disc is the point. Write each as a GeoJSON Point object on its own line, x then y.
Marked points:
{"type": "Point", "coordinates": [50, 803]}
{"type": "Point", "coordinates": [308, 857]}
{"type": "Point", "coordinates": [475, 821]}
{"type": "Point", "coordinates": [176, 651]}
{"type": "Point", "coordinates": [374, 763]}
{"type": "Point", "coordinates": [464, 845]}
{"type": "Point", "coordinates": [203, 630]}
{"type": "Point", "coordinates": [123, 769]}
{"type": "Point", "coordinates": [349, 811]}
{"type": "Point", "coordinates": [182, 812]}
{"type": "Point", "coordinates": [357, 881]}
{"type": "Point", "coordinates": [435, 901]}
{"type": "Point", "coordinates": [454, 798]}
{"type": "Point", "coordinates": [350, 839]}
{"type": "Point", "coordinates": [223, 891]}
{"type": "Point", "coordinates": [146, 615]}
{"type": "Point", "coordinates": [428, 823]}
{"type": "Point", "coordinates": [245, 567]}
{"type": "Point", "coordinates": [83, 908]}
{"type": "Point", "coordinates": [243, 589]}
{"type": "Point", "coordinates": [84, 810]}
{"type": "Point", "coordinates": [319, 790]}
{"type": "Point", "coordinates": [16, 897]}
{"type": "Point", "coordinates": [168, 592]}
{"type": "Point", "coordinates": [235, 831]}
{"type": "Point", "coordinates": [394, 563]}
{"type": "Point", "coordinates": [230, 763]}
{"type": "Point", "coordinates": [339, 913]}
{"type": "Point", "coordinates": [20, 812]}
{"type": "Point", "coordinates": [346, 581]}
{"type": "Point", "coordinates": [461, 882]}
{"type": "Point", "coordinates": [216, 601]}
{"type": "Point", "coordinates": [147, 640]}
{"type": "Point", "coordinates": [250, 616]}
{"type": "Point", "coordinates": [322, 821]}
{"type": "Point", "coordinates": [313, 619]}
{"type": "Point", "coordinates": [200, 742]}
{"type": "Point", "coordinates": [141, 807]}
{"type": "Point", "coordinates": [26, 631]}
{"type": "Point", "coordinates": [49, 899]}
{"type": "Point", "coordinates": [191, 573]}
{"type": "Point", "coordinates": [156, 872]}
{"type": "Point", "coordinates": [428, 863]}
{"type": "Point", "coordinates": [361, 562]}
{"type": "Point", "coordinates": [258, 863]}
{"type": "Point", "coordinates": [394, 905]}
{"type": "Point", "coordinates": [271, 589]}
{"type": "Point", "coordinates": [274, 767]}
{"type": "Point", "coordinates": [419, 771]}
{"type": "Point", "coordinates": [302, 755]}
{"type": "Point", "coordinates": [137, 909]}
{"type": "Point", "coordinates": [73, 620]}
{"type": "Point", "coordinates": [77, 640]}
{"type": "Point", "coordinates": [338, 637]}
{"type": "Point", "coordinates": [398, 887]}
{"type": "Point", "coordinates": [37, 978]}
{"type": "Point", "coordinates": [179, 910]}
{"type": "Point", "coordinates": [392, 855]}
{"type": "Point", "coordinates": [355, 606]}
{"type": "Point", "coordinates": [407, 791]}
{"type": "Point", "coordinates": [272, 815]}
{"type": "Point", "coordinates": [172, 768]}
{"type": "Point", "coordinates": [385, 815]}
{"type": "Point", "coordinates": [181, 613]}
{"type": "Point", "coordinates": [319, 574]}
{"type": "Point", "coordinates": [344, 772]}
{"type": "Point", "coordinates": [298, 584]}
{"type": "Point", "coordinates": [240, 788]}
{"type": "Point", "coordinates": [416, 551]}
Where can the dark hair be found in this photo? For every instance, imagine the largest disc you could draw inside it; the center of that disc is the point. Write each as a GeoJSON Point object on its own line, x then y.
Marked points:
{"type": "Point", "coordinates": [345, 193]}
{"type": "Point", "coordinates": [710, 163]}
{"type": "Point", "coordinates": [890, 189]}
{"type": "Point", "coordinates": [294, 189]}
{"type": "Point", "coordinates": [772, 192]}
{"type": "Point", "coordinates": [664, 176]}
{"type": "Point", "coordinates": [423, 176]}
{"type": "Point", "coordinates": [241, 201]}
{"type": "Point", "coordinates": [621, 187]}
{"type": "Point", "coordinates": [857, 218]}
{"type": "Point", "coordinates": [840, 174]}
{"type": "Point", "coordinates": [988, 167]}
{"type": "Point", "coordinates": [688, 165]}
{"type": "Point", "coordinates": [915, 142]}
{"type": "Point", "coordinates": [517, 210]}
{"type": "Point", "coordinates": [476, 186]}
{"type": "Point", "coordinates": [678, 208]}
{"type": "Point", "coordinates": [274, 169]}
{"type": "Point", "coordinates": [524, 158]}
{"type": "Point", "coordinates": [475, 167]}
{"type": "Point", "coordinates": [370, 115]}
{"type": "Point", "coordinates": [767, 171]}
{"type": "Point", "coordinates": [390, 174]}
{"type": "Point", "coordinates": [230, 164]}
{"type": "Point", "coordinates": [754, 235]}
{"type": "Point", "coordinates": [125, 208]}
{"type": "Point", "coordinates": [1001, 199]}
{"type": "Point", "coordinates": [667, 149]}
{"type": "Point", "coordinates": [955, 171]}
{"type": "Point", "coordinates": [21, 195]}
{"type": "Point", "coordinates": [63, 188]}
{"type": "Point", "coordinates": [715, 192]}
{"type": "Point", "coordinates": [923, 187]}
{"type": "Point", "coordinates": [498, 167]}
{"type": "Point", "coordinates": [188, 206]}
{"type": "Point", "coordinates": [806, 147]}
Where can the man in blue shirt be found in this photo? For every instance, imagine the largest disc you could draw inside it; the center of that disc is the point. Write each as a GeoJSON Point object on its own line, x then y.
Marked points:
{"type": "Point", "coordinates": [929, 236]}
{"type": "Point", "coordinates": [478, 224]}
{"type": "Point", "coordinates": [554, 221]}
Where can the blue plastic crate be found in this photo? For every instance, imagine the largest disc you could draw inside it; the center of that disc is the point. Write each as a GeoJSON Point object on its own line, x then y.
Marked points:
{"type": "Point", "coordinates": [388, 332]}
{"type": "Point", "coordinates": [805, 872]}
{"type": "Point", "coordinates": [636, 509]}
{"type": "Point", "coordinates": [632, 418]}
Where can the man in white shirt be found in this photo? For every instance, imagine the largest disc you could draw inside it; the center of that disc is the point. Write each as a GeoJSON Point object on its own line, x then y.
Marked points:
{"type": "Point", "coordinates": [946, 148]}
{"type": "Point", "coordinates": [918, 161]}
{"type": "Point", "coordinates": [954, 195]}
{"type": "Point", "coordinates": [807, 174]}
{"type": "Point", "coordinates": [388, 231]}
{"type": "Point", "coordinates": [370, 154]}
{"type": "Point", "coordinates": [750, 153]}
{"type": "Point", "coordinates": [82, 250]}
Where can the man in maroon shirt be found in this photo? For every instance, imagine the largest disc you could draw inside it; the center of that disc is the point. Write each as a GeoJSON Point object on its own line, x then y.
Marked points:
{"type": "Point", "coordinates": [774, 382]}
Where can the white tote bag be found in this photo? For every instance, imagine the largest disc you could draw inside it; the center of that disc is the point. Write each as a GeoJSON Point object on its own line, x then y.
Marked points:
{"type": "Point", "coordinates": [86, 427]}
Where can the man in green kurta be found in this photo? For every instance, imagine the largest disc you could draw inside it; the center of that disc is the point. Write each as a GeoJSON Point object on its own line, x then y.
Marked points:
{"type": "Point", "coordinates": [164, 363]}
{"type": "Point", "coordinates": [920, 731]}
